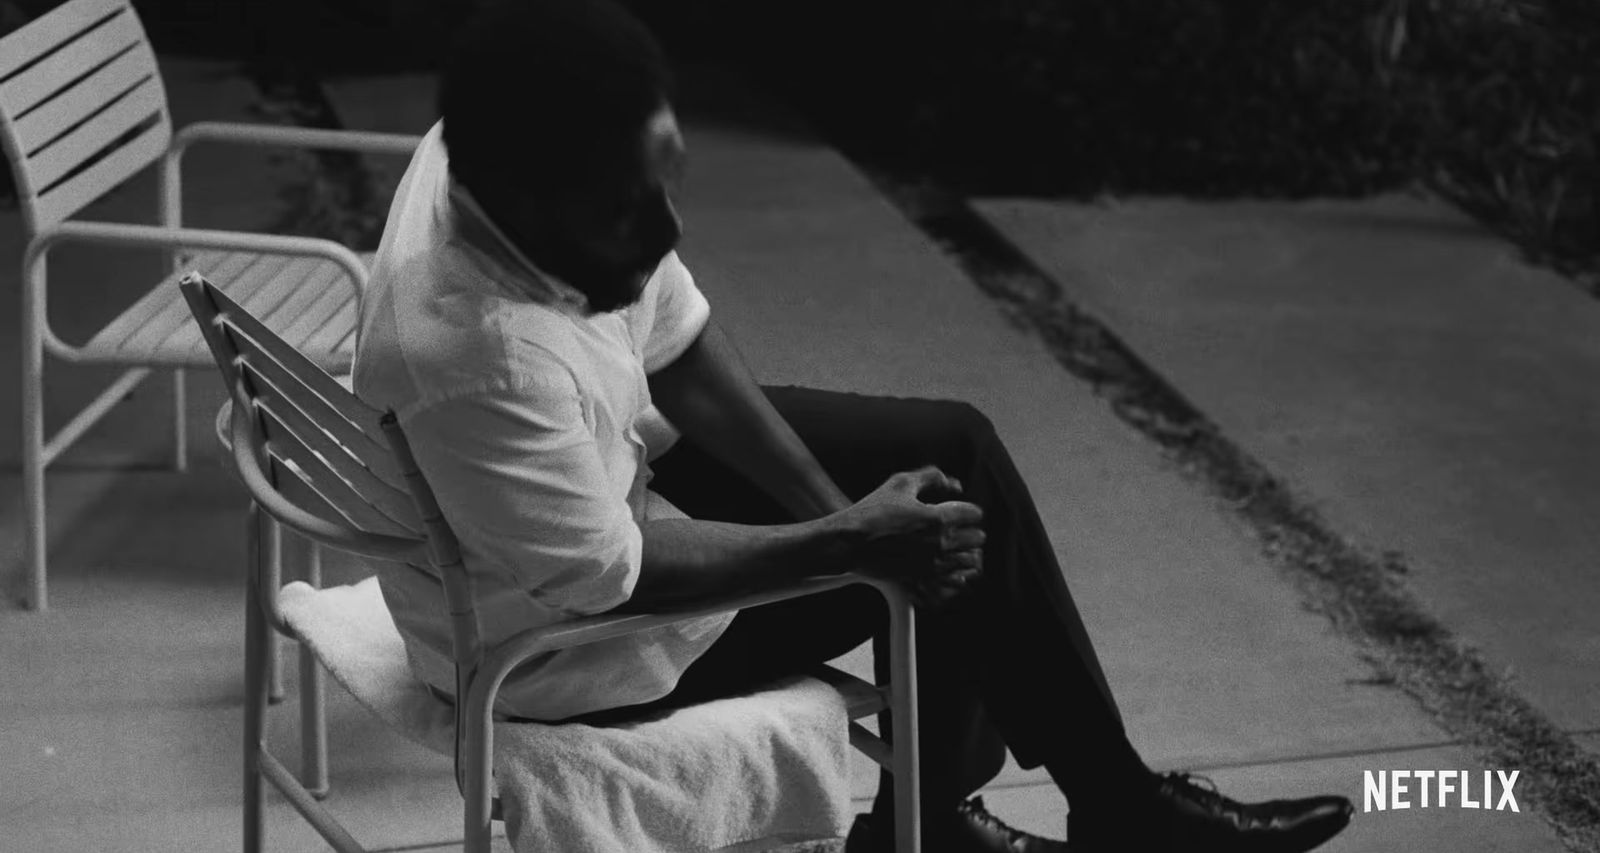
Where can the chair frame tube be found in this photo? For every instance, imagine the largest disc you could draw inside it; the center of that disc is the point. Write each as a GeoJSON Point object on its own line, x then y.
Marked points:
{"type": "Point", "coordinates": [313, 720]}
{"type": "Point", "coordinates": [38, 338]}
{"type": "Point", "coordinates": [256, 637]}
{"type": "Point", "coordinates": [161, 237]}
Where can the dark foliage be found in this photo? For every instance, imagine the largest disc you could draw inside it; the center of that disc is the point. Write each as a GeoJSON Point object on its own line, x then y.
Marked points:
{"type": "Point", "coordinates": [1494, 104]}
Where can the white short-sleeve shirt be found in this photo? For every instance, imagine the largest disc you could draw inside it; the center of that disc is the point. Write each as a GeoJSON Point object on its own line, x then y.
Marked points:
{"type": "Point", "coordinates": [532, 421]}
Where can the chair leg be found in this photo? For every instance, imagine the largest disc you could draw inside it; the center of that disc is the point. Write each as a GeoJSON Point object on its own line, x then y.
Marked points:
{"type": "Point", "coordinates": [313, 709]}
{"type": "Point", "coordinates": [34, 542]}
{"type": "Point", "coordinates": [479, 825]}
{"type": "Point", "coordinates": [256, 638]}
{"type": "Point", "coordinates": [477, 768]}
{"type": "Point", "coordinates": [907, 766]}
{"type": "Point", "coordinates": [33, 463]}
{"type": "Point", "coordinates": [180, 421]}
{"type": "Point", "coordinates": [274, 563]}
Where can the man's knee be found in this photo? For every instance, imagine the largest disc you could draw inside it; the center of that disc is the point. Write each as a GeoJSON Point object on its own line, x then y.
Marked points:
{"type": "Point", "coordinates": [968, 419]}
{"type": "Point", "coordinates": [964, 432]}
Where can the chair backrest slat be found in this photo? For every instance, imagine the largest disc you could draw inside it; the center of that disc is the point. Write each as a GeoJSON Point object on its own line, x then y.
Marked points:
{"type": "Point", "coordinates": [49, 165]}
{"type": "Point", "coordinates": [279, 387]}
{"type": "Point", "coordinates": [255, 335]}
{"type": "Point", "coordinates": [82, 106]}
{"type": "Point", "coordinates": [316, 491]}
{"type": "Point", "coordinates": [362, 447]}
{"type": "Point", "coordinates": [77, 191]}
{"type": "Point", "coordinates": [50, 120]}
{"type": "Point", "coordinates": [28, 44]}
{"type": "Point", "coordinates": [339, 460]}
{"type": "Point", "coordinates": [312, 470]}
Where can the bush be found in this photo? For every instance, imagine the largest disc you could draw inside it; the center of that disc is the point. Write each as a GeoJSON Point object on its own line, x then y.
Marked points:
{"type": "Point", "coordinates": [1491, 103]}
{"type": "Point", "coordinates": [1508, 104]}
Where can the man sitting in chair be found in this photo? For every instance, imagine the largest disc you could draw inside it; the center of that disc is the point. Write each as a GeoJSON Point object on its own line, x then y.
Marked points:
{"type": "Point", "coordinates": [544, 347]}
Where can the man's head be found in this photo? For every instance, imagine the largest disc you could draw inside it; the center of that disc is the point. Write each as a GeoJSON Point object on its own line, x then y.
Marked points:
{"type": "Point", "coordinates": [557, 119]}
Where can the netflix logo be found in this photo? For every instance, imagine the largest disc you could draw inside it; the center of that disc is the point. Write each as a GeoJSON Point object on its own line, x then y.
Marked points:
{"type": "Point", "coordinates": [1438, 789]}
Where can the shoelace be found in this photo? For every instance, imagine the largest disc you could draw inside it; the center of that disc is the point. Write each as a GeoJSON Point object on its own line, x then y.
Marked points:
{"type": "Point", "coordinates": [975, 808]}
{"type": "Point", "coordinates": [1200, 789]}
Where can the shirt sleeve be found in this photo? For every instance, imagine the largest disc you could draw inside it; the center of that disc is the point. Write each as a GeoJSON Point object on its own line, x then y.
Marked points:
{"type": "Point", "coordinates": [521, 482]}
{"type": "Point", "coordinates": [671, 314]}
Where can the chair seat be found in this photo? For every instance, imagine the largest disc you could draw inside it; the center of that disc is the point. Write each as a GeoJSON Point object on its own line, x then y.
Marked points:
{"type": "Point", "coordinates": [308, 301]}
{"type": "Point", "coordinates": [350, 631]}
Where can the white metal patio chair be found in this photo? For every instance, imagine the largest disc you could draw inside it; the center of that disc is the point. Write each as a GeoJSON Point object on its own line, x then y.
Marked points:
{"type": "Point", "coordinates": [83, 108]}
{"type": "Point", "coordinates": [320, 461]}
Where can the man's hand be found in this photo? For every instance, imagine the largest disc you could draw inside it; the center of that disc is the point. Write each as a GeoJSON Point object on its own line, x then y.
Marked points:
{"type": "Point", "coordinates": [933, 548]}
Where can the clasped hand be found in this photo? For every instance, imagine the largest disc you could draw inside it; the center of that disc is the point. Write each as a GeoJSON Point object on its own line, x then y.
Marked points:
{"type": "Point", "coordinates": [916, 533]}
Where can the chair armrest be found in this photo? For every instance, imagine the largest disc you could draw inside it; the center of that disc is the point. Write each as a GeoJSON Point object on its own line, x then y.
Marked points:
{"type": "Point", "coordinates": [278, 136]}
{"type": "Point", "coordinates": [158, 237]}
{"type": "Point", "coordinates": [282, 136]}
{"type": "Point", "coordinates": [474, 712]}
{"type": "Point", "coordinates": [501, 659]}
{"type": "Point", "coordinates": [605, 626]}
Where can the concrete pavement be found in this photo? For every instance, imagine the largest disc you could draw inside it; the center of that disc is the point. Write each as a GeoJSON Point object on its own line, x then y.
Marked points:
{"type": "Point", "coordinates": [1429, 392]}
{"type": "Point", "coordinates": [123, 732]}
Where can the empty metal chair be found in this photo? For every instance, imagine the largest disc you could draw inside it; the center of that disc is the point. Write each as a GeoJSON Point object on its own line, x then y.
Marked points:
{"type": "Point", "coordinates": [82, 108]}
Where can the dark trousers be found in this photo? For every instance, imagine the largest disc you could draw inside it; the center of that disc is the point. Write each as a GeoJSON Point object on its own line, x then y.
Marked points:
{"type": "Point", "coordinates": [1007, 664]}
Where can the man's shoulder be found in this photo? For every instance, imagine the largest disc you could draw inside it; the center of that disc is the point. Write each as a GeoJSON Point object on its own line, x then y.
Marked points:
{"type": "Point", "coordinates": [474, 339]}
{"type": "Point", "coordinates": [447, 335]}
{"type": "Point", "coordinates": [532, 380]}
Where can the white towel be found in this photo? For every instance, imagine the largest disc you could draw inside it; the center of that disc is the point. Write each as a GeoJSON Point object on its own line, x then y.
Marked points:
{"type": "Point", "coordinates": [768, 766]}
{"type": "Point", "coordinates": [736, 774]}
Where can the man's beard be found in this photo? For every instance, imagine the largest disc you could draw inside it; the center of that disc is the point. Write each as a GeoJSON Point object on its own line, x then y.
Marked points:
{"type": "Point", "coordinates": [613, 290]}
{"type": "Point", "coordinates": [609, 285]}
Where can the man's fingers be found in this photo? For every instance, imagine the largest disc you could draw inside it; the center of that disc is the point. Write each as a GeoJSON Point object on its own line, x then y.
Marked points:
{"type": "Point", "coordinates": [959, 513]}
{"type": "Point", "coordinates": [965, 558]}
{"type": "Point", "coordinates": [944, 488]}
{"type": "Point", "coordinates": [964, 577]}
{"type": "Point", "coordinates": [962, 538]}
{"type": "Point", "coordinates": [929, 479]}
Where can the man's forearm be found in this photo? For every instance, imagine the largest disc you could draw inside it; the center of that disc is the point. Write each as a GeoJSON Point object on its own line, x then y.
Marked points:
{"type": "Point", "coordinates": [709, 395]}
{"type": "Point", "coordinates": [688, 561]}
{"type": "Point", "coordinates": [891, 533]}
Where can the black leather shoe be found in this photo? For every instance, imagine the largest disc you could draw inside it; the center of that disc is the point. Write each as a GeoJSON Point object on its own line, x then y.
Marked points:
{"type": "Point", "coordinates": [1190, 814]}
{"type": "Point", "coordinates": [971, 830]}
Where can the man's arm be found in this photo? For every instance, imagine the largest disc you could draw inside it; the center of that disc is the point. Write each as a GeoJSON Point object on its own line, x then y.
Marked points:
{"type": "Point", "coordinates": [710, 396]}
{"type": "Point", "coordinates": [688, 560]}
{"type": "Point", "coordinates": [891, 533]}
{"type": "Point", "coordinates": [524, 487]}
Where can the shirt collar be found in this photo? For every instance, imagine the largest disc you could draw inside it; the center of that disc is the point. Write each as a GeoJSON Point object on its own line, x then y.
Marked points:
{"type": "Point", "coordinates": [481, 236]}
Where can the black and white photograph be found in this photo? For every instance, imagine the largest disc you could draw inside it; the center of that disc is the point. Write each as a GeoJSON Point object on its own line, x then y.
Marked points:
{"type": "Point", "coordinates": [753, 426]}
